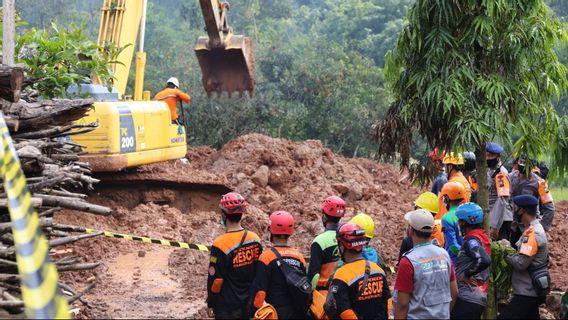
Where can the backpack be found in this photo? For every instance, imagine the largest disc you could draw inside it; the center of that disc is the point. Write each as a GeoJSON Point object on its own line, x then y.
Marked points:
{"type": "Point", "coordinates": [299, 286]}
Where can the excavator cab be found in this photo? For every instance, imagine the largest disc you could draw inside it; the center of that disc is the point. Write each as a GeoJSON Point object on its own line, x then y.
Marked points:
{"type": "Point", "coordinates": [226, 60]}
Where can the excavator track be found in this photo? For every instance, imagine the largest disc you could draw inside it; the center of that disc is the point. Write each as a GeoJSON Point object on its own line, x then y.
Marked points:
{"type": "Point", "coordinates": [186, 189]}
{"type": "Point", "coordinates": [110, 180]}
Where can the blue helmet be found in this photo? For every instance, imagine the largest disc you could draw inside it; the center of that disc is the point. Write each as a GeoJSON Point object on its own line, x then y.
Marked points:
{"type": "Point", "coordinates": [494, 147]}
{"type": "Point", "coordinates": [471, 213]}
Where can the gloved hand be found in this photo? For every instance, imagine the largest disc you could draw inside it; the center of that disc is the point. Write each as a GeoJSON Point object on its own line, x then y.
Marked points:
{"type": "Point", "coordinates": [180, 130]}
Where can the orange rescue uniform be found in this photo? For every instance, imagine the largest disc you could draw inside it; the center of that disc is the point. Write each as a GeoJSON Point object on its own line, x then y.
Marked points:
{"type": "Point", "coordinates": [171, 97]}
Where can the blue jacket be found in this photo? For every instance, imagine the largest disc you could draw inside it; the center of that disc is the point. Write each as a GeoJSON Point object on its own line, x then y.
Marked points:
{"type": "Point", "coordinates": [452, 234]}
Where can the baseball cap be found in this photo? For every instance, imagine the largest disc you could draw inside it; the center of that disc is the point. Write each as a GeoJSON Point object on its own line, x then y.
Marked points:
{"type": "Point", "coordinates": [420, 220]}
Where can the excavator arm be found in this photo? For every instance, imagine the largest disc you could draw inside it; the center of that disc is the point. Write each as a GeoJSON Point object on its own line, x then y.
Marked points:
{"type": "Point", "coordinates": [226, 59]}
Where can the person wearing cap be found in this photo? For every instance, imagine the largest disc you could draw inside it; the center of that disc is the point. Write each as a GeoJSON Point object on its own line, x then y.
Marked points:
{"type": "Point", "coordinates": [532, 255]}
{"type": "Point", "coordinates": [323, 251]}
{"type": "Point", "coordinates": [425, 286]}
{"type": "Point", "coordinates": [172, 95]}
{"type": "Point", "coordinates": [472, 264]}
{"type": "Point", "coordinates": [359, 289]}
{"type": "Point", "coordinates": [270, 284]}
{"type": "Point", "coordinates": [436, 158]}
{"type": "Point", "coordinates": [499, 187]}
{"type": "Point", "coordinates": [427, 201]}
{"type": "Point", "coordinates": [232, 263]}
{"type": "Point", "coordinates": [524, 182]}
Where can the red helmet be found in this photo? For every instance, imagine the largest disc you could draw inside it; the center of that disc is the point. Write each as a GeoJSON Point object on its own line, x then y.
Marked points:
{"type": "Point", "coordinates": [233, 203]}
{"type": "Point", "coordinates": [352, 236]}
{"type": "Point", "coordinates": [281, 222]}
{"type": "Point", "coordinates": [436, 155]}
{"type": "Point", "coordinates": [333, 206]}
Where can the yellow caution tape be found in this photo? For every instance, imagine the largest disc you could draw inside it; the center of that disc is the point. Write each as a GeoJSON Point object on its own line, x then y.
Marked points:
{"type": "Point", "coordinates": [39, 275]}
{"type": "Point", "coordinates": [169, 243]}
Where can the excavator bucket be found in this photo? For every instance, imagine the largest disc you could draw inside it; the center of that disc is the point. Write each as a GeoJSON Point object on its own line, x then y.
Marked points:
{"type": "Point", "coordinates": [227, 69]}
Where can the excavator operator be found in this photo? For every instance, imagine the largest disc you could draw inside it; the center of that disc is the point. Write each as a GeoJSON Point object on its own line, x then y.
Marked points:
{"type": "Point", "coordinates": [171, 95]}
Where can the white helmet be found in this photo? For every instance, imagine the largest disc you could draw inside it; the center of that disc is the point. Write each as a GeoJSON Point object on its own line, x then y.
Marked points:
{"type": "Point", "coordinates": [174, 81]}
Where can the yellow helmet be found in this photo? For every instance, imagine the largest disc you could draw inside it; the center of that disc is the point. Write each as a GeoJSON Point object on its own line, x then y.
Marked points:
{"type": "Point", "coordinates": [452, 158]}
{"type": "Point", "coordinates": [427, 201]}
{"type": "Point", "coordinates": [364, 221]}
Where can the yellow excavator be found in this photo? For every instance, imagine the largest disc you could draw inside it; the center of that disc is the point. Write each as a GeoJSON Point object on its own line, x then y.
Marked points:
{"type": "Point", "coordinates": [136, 131]}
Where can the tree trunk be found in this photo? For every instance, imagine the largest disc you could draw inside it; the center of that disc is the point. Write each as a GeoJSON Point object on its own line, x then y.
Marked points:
{"type": "Point", "coordinates": [9, 28]}
{"type": "Point", "coordinates": [483, 201]}
{"type": "Point", "coordinates": [483, 192]}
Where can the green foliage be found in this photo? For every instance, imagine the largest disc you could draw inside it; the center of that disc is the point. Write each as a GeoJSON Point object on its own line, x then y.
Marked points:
{"type": "Point", "coordinates": [318, 65]}
{"type": "Point", "coordinates": [463, 73]}
{"type": "Point", "coordinates": [59, 58]}
{"type": "Point", "coordinates": [501, 271]}
{"type": "Point", "coordinates": [559, 193]}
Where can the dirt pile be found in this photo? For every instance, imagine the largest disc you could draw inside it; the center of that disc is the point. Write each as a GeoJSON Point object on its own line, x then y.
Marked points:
{"type": "Point", "coordinates": [274, 174]}
{"type": "Point", "coordinates": [558, 238]}
{"type": "Point", "coordinates": [277, 174]}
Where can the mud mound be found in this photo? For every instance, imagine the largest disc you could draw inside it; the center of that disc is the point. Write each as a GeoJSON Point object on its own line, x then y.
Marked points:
{"type": "Point", "coordinates": [277, 174]}
{"type": "Point", "coordinates": [558, 240]}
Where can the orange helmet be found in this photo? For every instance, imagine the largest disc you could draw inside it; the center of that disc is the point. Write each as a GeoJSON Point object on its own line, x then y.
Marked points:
{"type": "Point", "coordinates": [453, 190]}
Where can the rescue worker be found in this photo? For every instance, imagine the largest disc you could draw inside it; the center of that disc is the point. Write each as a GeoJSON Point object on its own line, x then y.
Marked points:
{"type": "Point", "coordinates": [233, 263]}
{"type": "Point", "coordinates": [436, 157]}
{"type": "Point", "coordinates": [171, 95]}
{"type": "Point", "coordinates": [369, 253]}
{"type": "Point", "coordinates": [323, 252]}
{"type": "Point", "coordinates": [472, 264]}
{"type": "Point", "coordinates": [529, 183]}
{"type": "Point", "coordinates": [425, 286]}
{"type": "Point", "coordinates": [469, 173]}
{"type": "Point", "coordinates": [542, 170]}
{"type": "Point", "coordinates": [532, 255]}
{"type": "Point", "coordinates": [454, 194]}
{"type": "Point", "coordinates": [454, 164]}
{"type": "Point", "coordinates": [429, 202]}
{"type": "Point", "coordinates": [270, 283]}
{"type": "Point", "coordinates": [359, 288]}
{"type": "Point", "coordinates": [499, 186]}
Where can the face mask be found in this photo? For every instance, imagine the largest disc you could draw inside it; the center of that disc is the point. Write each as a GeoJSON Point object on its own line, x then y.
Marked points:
{"type": "Point", "coordinates": [492, 163]}
{"type": "Point", "coordinates": [522, 168]}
